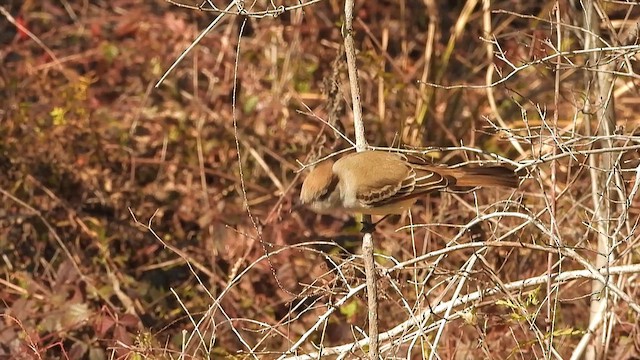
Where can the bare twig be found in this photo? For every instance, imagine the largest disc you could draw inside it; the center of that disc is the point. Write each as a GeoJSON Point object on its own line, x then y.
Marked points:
{"type": "Point", "coordinates": [520, 285]}
{"type": "Point", "coordinates": [361, 145]}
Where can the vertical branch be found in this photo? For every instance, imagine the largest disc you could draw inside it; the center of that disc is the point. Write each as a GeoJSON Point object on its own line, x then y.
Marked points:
{"type": "Point", "coordinates": [601, 165]}
{"type": "Point", "coordinates": [372, 292]}
{"type": "Point", "coordinates": [551, 299]}
{"type": "Point", "coordinates": [349, 47]}
{"type": "Point", "coordinates": [361, 145]}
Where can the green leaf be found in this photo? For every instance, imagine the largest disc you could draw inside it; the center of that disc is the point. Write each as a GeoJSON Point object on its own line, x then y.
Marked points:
{"type": "Point", "coordinates": [350, 309]}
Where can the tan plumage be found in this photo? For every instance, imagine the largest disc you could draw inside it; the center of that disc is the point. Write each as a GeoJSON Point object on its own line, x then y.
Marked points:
{"type": "Point", "coordinates": [381, 183]}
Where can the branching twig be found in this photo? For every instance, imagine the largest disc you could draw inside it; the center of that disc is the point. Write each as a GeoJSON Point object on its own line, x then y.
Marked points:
{"type": "Point", "coordinates": [520, 285]}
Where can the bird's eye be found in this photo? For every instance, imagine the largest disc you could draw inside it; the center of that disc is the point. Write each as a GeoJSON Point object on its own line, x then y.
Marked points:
{"type": "Point", "coordinates": [330, 189]}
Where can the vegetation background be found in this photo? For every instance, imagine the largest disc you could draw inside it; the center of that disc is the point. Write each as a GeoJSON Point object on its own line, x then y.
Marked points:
{"type": "Point", "coordinates": [132, 227]}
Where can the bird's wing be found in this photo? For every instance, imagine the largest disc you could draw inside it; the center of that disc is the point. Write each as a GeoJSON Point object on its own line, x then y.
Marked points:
{"type": "Point", "coordinates": [421, 182]}
{"type": "Point", "coordinates": [386, 178]}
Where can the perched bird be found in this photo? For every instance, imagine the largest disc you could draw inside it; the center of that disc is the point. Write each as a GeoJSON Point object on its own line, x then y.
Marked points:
{"type": "Point", "coordinates": [383, 183]}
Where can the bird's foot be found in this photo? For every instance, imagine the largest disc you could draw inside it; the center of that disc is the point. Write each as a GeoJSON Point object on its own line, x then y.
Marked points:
{"type": "Point", "coordinates": [369, 227]}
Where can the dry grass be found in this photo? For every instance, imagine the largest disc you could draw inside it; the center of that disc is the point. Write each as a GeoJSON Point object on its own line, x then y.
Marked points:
{"type": "Point", "coordinates": [131, 226]}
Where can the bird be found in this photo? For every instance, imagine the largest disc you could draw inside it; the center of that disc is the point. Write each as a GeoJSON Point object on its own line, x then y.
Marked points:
{"type": "Point", "coordinates": [375, 182]}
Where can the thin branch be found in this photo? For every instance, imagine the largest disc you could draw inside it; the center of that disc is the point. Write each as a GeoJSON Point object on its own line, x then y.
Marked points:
{"type": "Point", "coordinates": [361, 145]}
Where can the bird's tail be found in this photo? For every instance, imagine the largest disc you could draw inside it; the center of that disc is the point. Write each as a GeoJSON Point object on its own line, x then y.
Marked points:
{"type": "Point", "coordinates": [486, 176]}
